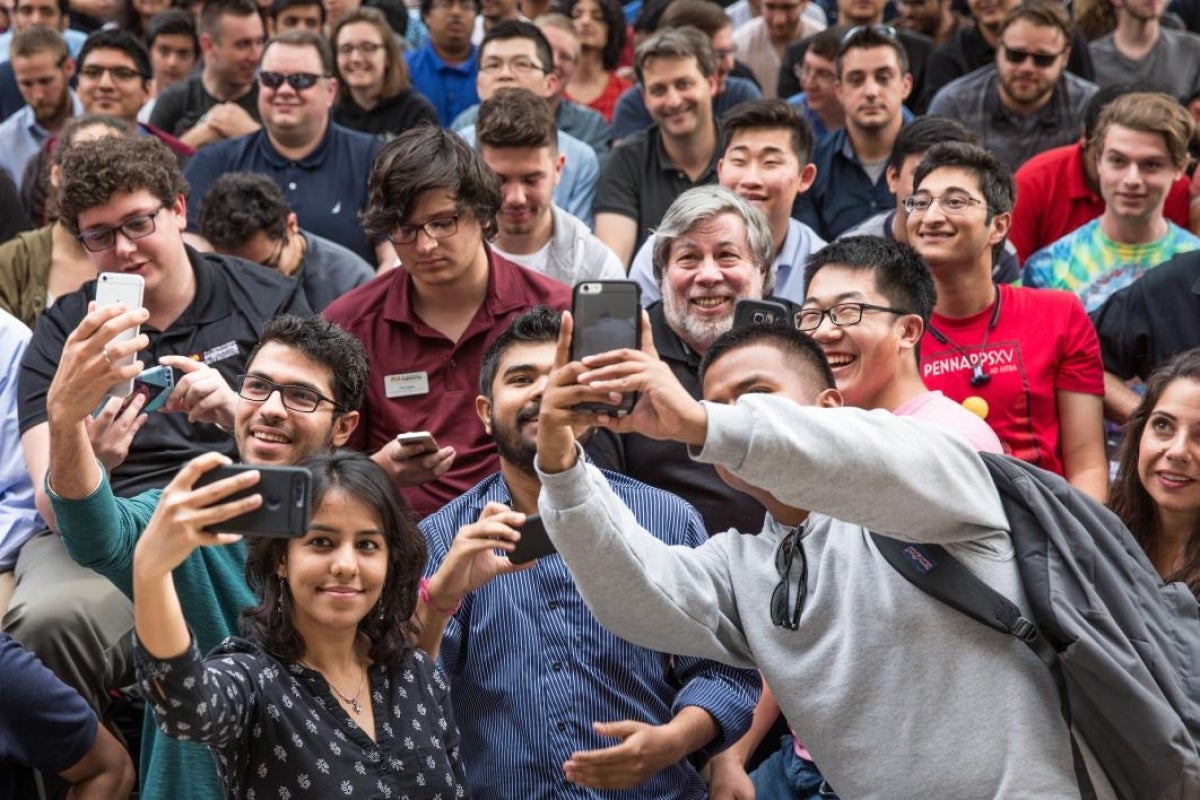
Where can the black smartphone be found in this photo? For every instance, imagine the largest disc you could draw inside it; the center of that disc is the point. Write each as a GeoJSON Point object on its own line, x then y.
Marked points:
{"type": "Point", "coordinates": [534, 541]}
{"type": "Point", "coordinates": [607, 317]}
{"type": "Point", "coordinates": [759, 312]}
{"type": "Point", "coordinates": [286, 507]}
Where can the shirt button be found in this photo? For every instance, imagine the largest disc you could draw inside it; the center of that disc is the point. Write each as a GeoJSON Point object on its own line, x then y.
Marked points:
{"type": "Point", "coordinates": [553, 604]}
{"type": "Point", "coordinates": [292, 186]}
{"type": "Point", "coordinates": [562, 726]}
{"type": "Point", "coordinates": [556, 666]}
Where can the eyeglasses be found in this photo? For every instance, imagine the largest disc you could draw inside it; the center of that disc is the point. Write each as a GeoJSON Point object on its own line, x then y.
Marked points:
{"type": "Point", "coordinates": [466, 5]}
{"type": "Point", "coordinates": [954, 203]}
{"type": "Point", "coordinates": [886, 31]}
{"type": "Point", "coordinates": [439, 228]}
{"type": "Point", "coordinates": [297, 80]}
{"type": "Point", "coordinates": [519, 66]}
{"type": "Point", "coordinates": [277, 256]}
{"type": "Point", "coordinates": [784, 612]}
{"type": "Point", "coordinates": [366, 48]}
{"type": "Point", "coordinates": [815, 74]}
{"type": "Point", "coordinates": [296, 398]}
{"type": "Point", "coordinates": [98, 240]}
{"type": "Point", "coordinates": [1042, 60]}
{"type": "Point", "coordinates": [94, 72]}
{"type": "Point", "coordinates": [843, 314]}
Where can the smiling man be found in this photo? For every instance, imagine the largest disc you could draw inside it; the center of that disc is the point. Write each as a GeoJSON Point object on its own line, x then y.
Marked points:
{"type": "Point", "coordinates": [320, 166]}
{"type": "Point", "coordinates": [202, 314]}
{"type": "Point", "coordinates": [1027, 102]}
{"type": "Point", "coordinates": [44, 71]}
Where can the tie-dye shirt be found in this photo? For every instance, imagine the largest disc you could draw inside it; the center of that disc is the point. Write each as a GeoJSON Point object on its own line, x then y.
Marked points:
{"type": "Point", "coordinates": [1093, 266]}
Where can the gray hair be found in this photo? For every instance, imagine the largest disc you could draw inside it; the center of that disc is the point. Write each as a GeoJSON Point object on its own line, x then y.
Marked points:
{"type": "Point", "coordinates": [702, 203]}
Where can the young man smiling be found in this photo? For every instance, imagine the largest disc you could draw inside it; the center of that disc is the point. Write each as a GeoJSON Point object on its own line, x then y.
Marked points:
{"type": "Point", "coordinates": [44, 72]}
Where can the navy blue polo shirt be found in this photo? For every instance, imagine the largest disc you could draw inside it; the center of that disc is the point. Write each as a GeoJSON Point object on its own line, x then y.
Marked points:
{"type": "Point", "coordinates": [326, 188]}
{"type": "Point", "coordinates": [842, 195]}
{"type": "Point", "coordinates": [450, 87]}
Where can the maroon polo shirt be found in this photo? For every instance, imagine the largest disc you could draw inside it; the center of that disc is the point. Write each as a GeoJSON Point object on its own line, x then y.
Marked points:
{"type": "Point", "coordinates": [422, 381]}
{"type": "Point", "coordinates": [1053, 199]}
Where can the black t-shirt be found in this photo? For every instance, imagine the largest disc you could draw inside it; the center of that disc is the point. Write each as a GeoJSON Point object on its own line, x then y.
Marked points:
{"type": "Point", "coordinates": [180, 107]}
{"type": "Point", "coordinates": [667, 465]}
{"type": "Point", "coordinates": [639, 181]}
{"type": "Point", "coordinates": [917, 46]}
{"type": "Point", "coordinates": [234, 301]}
{"type": "Point", "coordinates": [390, 118]}
{"type": "Point", "coordinates": [967, 51]}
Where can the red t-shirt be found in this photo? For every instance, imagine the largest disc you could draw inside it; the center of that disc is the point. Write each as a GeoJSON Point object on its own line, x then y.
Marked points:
{"type": "Point", "coordinates": [606, 102]}
{"type": "Point", "coordinates": [1053, 199]}
{"type": "Point", "coordinates": [422, 381]}
{"type": "Point", "coordinates": [1043, 342]}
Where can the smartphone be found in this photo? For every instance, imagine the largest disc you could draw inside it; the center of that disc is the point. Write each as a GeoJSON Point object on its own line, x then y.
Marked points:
{"type": "Point", "coordinates": [286, 507]}
{"type": "Point", "coordinates": [423, 438]}
{"type": "Point", "coordinates": [114, 287]}
{"type": "Point", "coordinates": [154, 384]}
{"type": "Point", "coordinates": [607, 317]}
{"type": "Point", "coordinates": [534, 542]}
{"type": "Point", "coordinates": [759, 312]}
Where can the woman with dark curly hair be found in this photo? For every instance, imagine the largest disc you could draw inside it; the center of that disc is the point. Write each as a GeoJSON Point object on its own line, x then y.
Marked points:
{"type": "Point", "coordinates": [326, 697]}
{"type": "Point", "coordinates": [375, 93]}
{"type": "Point", "coordinates": [1157, 489]}
{"type": "Point", "coordinates": [600, 25]}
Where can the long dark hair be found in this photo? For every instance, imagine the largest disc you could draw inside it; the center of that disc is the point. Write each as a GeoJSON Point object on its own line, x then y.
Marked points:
{"type": "Point", "coordinates": [1129, 499]}
{"type": "Point", "coordinates": [388, 624]}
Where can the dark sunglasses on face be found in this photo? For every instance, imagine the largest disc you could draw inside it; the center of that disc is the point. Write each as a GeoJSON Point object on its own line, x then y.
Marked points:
{"type": "Point", "coordinates": [297, 80]}
{"type": "Point", "coordinates": [1042, 60]}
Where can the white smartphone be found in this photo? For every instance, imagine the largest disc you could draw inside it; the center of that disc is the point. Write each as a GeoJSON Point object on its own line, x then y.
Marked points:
{"type": "Point", "coordinates": [423, 438]}
{"type": "Point", "coordinates": [119, 287]}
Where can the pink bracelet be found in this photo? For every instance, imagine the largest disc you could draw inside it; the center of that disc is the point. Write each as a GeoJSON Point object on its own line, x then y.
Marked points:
{"type": "Point", "coordinates": [423, 593]}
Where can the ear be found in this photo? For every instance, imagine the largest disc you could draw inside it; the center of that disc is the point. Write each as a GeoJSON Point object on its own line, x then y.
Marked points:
{"type": "Point", "coordinates": [206, 43]}
{"type": "Point", "coordinates": [333, 91]}
{"type": "Point", "coordinates": [829, 398]}
{"type": "Point", "coordinates": [551, 85]}
{"type": "Point", "coordinates": [893, 177]}
{"type": "Point", "coordinates": [343, 426]}
{"type": "Point", "coordinates": [907, 83]}
{"type": "Point", "coordinates": [713, 83]}
{"type": "Point", "coordinates": [911, 331]}
{"type": "Point", "coordinates": [281, 567]}
{"type": "Point", "coordinates": [69, 68]}
{"type": "Point", "coordinates": [1001, 223]}
{"type": "Point", "coordinates": [559, 163]}
{"type": "Point", "coordinates": [483, 410]}
{"type": "Point", "coordinates": [292, 224]}
{"type": "Point", "coordinates": [807, 176]}
{"type": "Point", "coordinates": [180, 209]}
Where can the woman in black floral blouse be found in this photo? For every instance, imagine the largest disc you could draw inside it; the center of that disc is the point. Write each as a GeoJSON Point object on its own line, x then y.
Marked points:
{"type": "Point", "coordinates": [326, 698]}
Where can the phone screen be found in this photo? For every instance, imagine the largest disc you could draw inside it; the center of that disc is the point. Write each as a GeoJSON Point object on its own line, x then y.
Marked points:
{"type": "Point", "coordinates": [607, 317]}
{"type": "Point", "coordinates": [114, 287]}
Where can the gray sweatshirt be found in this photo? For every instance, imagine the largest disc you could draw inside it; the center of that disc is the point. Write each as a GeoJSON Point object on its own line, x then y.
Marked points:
{"type": "Point", "coordinates": [895, 694]}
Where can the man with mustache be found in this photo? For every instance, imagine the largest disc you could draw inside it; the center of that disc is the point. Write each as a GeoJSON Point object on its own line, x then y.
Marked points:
{"type": "Point", "coordinates": [527, 661]}
{"type": "Point", "coordinates": [444, 68]}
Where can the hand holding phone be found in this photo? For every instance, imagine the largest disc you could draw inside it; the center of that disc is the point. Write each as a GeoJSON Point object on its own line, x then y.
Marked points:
{"type": "Point", "coordinates": [286, 501]}
{"type": "Point", "coordinates": [534, 541]}
{"type": "Point", "coordinates": [607, 317]}
{"type": "Point", "coordinates": [124, 288]}
{"type": "Point", "coordinates": [422, 438]}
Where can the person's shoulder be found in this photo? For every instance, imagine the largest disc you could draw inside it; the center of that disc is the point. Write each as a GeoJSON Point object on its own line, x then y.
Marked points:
{"type": "Point", "coordinates": [1048, 160]}
{"type": "Point", "coordinates": [182, 92]}
{"type": "Point", "coordinates": [635, 145]}
{"type": "Point", "coordinates": [356, 139]}
{"type": "Point", "coordinates": [1047, 306]}
{"type": "Point", "coordinates": [659, 505]}
{"type": "Point", "coordinates": [251, 277]}
{"type": "Point", "coordinates": [1079, 88]}
{"type": "Point", "coordinates": [361, 305]}
{"type": "Point", "coordinates": [532, 283]}
{"type": "Point", "coordinates": [1179, 273]}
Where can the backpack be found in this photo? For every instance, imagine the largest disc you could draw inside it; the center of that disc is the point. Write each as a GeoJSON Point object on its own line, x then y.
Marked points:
{"type": "Point", "coordinates": [1122, 646]}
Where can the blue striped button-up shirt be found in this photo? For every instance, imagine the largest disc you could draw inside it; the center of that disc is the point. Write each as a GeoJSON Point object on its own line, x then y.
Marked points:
{"type": "Point", "coordinates": [531, 669]}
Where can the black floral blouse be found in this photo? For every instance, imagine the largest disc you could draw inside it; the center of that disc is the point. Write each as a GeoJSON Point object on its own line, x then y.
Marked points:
{"type": "Point", "coordinates": [278, 733]}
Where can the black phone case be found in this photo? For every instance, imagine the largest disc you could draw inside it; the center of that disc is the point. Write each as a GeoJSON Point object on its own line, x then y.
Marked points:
{"type": "Point", "coordinates": [628, 400]}
{"type": "Point", "coordinates": [286, 506]}
{"type": "Point", "coordinates": [759, 312]}
{"type": "Point", "coordinates": [534, 542]}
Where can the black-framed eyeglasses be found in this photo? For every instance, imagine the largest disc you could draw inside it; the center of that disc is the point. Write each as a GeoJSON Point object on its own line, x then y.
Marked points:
{"type": "Point", "coordinates": [785, 613]}
{"type": "Point", "coordinates": [886, 31]}
{"type": "Point", "coordinates": [439, 228]}
{"type": "Point", "coordinates": [843, 314]}
{"type": "Point", "coordinates": [1042, 60]}
{"type": "Point", "coordinates": [297, 80]}
{"type": "Point", "coordinates": [276, 257]}
{"type": "Point", "coordinates": [519, 66]}
{"type": "Point", "coordinates": [951, 202]}
{"type": "Point", "coordinates": [296, 398]}
{"type": "Point", "coordinates": [97, 240]}
{"type": "Point", "coordinates": [94, 72]}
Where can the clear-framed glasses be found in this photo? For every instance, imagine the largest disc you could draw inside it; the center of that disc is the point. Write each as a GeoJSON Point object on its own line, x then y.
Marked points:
{"type": "Point", "coordinates": [366, 48]}
{"type": "Point", "coordinates": [785, 613]}
{"type": "Point", "coordinates": [843, 314]}
{"type": "Point", "coordinates": [439, 228]}
{"type": "Point", "coordinates": [297, 398]}
{"type": "Point", "coordinates": [519, 66]}
{"type": "Point", "coordinates": [97, 240]}
{"type": "Point", "coordinates": [951, 202]}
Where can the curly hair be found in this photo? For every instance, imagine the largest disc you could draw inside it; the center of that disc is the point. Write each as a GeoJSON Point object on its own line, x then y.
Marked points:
{"type": "Point", "coordinates": [388, 624]}
{"type": "Point", "coordinates": [424, 159]}
{"type": "Point", "coordinates": [92, 172]}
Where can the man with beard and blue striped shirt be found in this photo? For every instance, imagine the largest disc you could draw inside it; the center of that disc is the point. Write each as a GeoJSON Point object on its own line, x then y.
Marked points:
{"type": "Point", "coordinates": [547, 701]}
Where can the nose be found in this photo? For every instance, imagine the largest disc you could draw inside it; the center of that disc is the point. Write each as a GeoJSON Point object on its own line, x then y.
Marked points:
{"type": "Point", "coordinates": [1177, 447]}
{"type": "Point", "coordinates": [514, 194]}
{"type": "Point", "coordinates": [343, 562]}
{"type": "Point", "coordinates": [123, 246]}
{"type": "Point", "coordinates": [825, 330]}
{"type": "Point", "coordinates": [424, 242]}
{"type": "Point", "coordinates": [709, 272]}
{"type": "Point", "coordinates": [273, 407]}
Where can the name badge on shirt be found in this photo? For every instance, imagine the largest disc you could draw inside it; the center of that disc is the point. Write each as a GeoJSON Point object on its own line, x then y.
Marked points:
{"type": "Point", "coordinates": [406, 384]}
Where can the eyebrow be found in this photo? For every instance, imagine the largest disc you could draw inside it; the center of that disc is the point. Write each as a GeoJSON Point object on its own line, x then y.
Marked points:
{"type": "Point", "coordinates": [515, 368]}
{"type": "Point", "coordinates": [302, 384]}
{"type": "Point", "coordinates": [844, 296]}
{"type": "Point", "coordinates": [358, 534]}
{"type": "Point", "coordinates": [741, 386]}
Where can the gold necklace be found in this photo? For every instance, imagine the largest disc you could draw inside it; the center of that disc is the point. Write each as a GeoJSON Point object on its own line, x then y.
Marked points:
{"type": "Point", "coordinates": [353, 700]}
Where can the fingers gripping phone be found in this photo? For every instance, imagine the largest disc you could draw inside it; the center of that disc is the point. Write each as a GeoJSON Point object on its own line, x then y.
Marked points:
{"type": "Point", "coordinates": [534, 541]}
{"type": "Point", "coordinates": [114, 287]}
{"type": "Point", "coordinates": [286, 501]}
{"type": "Point", "coordinates": [154, 384]}
{"type": "Point", "coordinates": [423, 438]}
{"type": "Point", "coordinates": [607, 317]}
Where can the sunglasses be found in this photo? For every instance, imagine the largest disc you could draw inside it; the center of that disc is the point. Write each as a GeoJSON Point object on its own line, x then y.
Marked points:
{"type": "Point", "coordinates": [784, 612]}
{"type": "Point", "coordinates": [1042, 60]}
{"type": "Point", "coordinates": [297, 80]}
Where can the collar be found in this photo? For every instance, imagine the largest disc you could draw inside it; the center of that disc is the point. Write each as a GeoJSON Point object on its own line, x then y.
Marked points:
{"type": "Point", "coordinates": [1045, 117]}
{"type": "Point", "coordinates": [789, 254]}
{"type": "Point", "coordinates": [665, 164]}
{"type": "Point", "coordinates": [1075, 185]}
{"type": "Point", "coordinates": [314, 159]}
{"type": "Point", "coordinates": [29, 122]}
{"type": "Point", "coordinates": [503, 293]}
{"type": "Point", "coordinates": [467, 67]}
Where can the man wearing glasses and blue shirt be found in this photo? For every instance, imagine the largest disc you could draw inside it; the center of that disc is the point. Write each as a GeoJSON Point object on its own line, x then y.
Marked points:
{"type": "Point", "coordinates": [202, 315]}
{"type": "Point", "coordinates": [896, 694]}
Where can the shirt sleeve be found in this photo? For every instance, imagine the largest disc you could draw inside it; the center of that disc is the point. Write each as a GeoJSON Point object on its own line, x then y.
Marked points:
{"type": "Point", "coordinates": [1039, 269]}
{"type": "Point", "coordinates": [585, 167]}
{"type": "Point", "coordinates": [439, 539]}
{"type": "Point", "coordinates": [40, 361]}
{"type": "Point", "coordinates": [1124, 332]}
{"type": "Point", "coordinates": [18, 514]}
{"type": "Point", "coordinates": [46, 723]}
{"type": "Point", "coordinates": [196, 700]}
{"type": "Point", "coordinates": [1080, 368]}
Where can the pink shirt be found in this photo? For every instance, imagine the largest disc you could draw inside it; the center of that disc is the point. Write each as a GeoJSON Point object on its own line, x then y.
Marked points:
{"type": "Point", "coordinates": [936, 408]}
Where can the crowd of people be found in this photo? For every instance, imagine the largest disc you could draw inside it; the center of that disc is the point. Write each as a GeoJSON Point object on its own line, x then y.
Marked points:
{"type": "Point", "coordinates": [353, 223]}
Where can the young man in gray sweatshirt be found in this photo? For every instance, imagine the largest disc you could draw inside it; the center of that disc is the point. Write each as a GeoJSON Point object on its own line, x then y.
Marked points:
{"type": "Point", "coordinates": [897, 694]}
